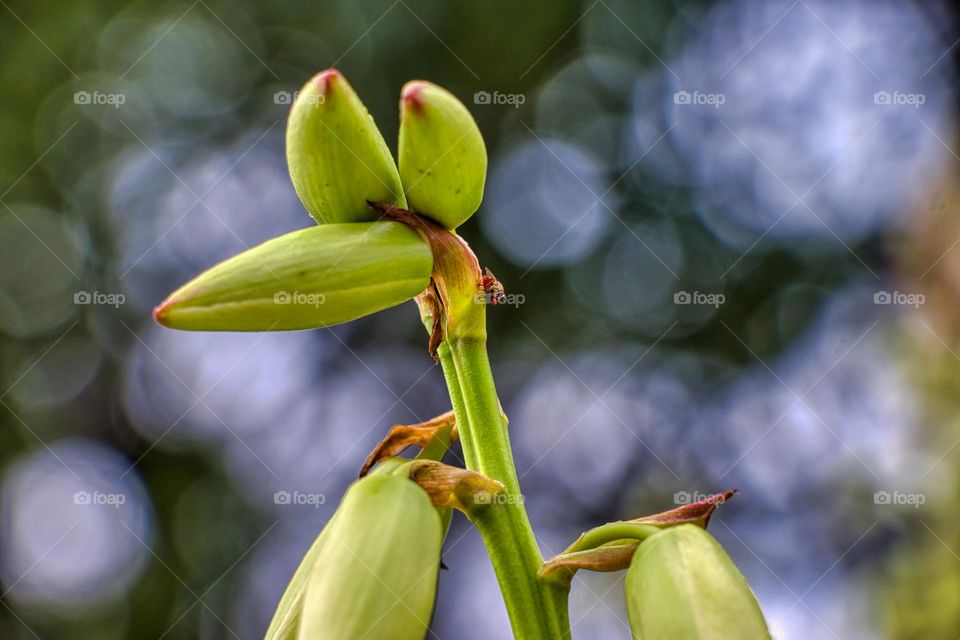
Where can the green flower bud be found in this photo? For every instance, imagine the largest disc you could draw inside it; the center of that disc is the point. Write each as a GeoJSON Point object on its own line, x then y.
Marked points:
{"type": "Point", "coordinates": [310, 278]}
{"type": "Point", "coordinates": [336, 155]}
{"type": "Point", "coordinates": [682, 584]}
{"type": "Point", "coordinates": [286, 619]}
{"type": "Point", "coordinates": [443, 161]}
{"type": "Point", "coordinates": [375, 575]}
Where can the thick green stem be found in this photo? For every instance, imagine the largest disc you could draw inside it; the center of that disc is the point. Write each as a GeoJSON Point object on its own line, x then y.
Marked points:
{"type": "Point", "coordinates": [537, 610]}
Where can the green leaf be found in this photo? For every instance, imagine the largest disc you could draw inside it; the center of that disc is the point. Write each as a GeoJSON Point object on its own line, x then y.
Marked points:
{"type": "Point", "coordinates": [336, 155]}
{"type": "Point", "coordinates": [443, 161]}
{"type": "Point", "coordinates": [682, 584]}
{"type": "Point", "coordinates": [310, 278]}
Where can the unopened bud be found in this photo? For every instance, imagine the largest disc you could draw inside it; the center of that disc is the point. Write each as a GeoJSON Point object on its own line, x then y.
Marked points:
{"type": "Point", "coordinates": [682, 584]}
{"type": "Point", "coordinates": [336, 156]}
{"type": "Point", "coordinates": [314, 277]}
{"type": "Point", "coordinates": [373, 571]}
{"type": "Point", "coordinates": [442, 158]}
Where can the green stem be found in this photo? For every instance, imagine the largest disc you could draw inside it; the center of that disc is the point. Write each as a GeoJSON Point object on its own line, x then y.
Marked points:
{"type": "Point", "coordinates": [537, 610]}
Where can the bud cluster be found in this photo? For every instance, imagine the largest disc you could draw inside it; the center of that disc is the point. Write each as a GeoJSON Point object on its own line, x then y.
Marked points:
{"type": "Point", "coordinates": [385, 234]}
{"type": "Point", "coordinates": [355, 263]}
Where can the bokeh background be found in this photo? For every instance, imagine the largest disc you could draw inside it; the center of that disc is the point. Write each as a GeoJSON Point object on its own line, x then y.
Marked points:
{"type": "Point", "coordinates": [733, 226]}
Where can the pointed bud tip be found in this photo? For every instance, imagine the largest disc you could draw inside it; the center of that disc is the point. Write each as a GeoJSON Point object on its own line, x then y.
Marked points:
{"type": "Point", "coordinates": [411, 97]}
{"type": "Point", "coordinates": [326, 79]}
{"type": "Point", "coordinates": [164, 313]}
{"type": "Point", "coordinates": [161, 313]}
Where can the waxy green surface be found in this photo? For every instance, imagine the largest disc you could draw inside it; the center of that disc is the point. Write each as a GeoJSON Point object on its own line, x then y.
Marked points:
{"type": "Point", "coordinates": [682, 584]}
{"type": "Point", "coordinates": [335, 154]}
{"type": "Point", "coordinates": [443, 161]}
{"type": "Point", "coordinates": [375, 575]}
{"type": "Point", "coordinates": [315, 277]}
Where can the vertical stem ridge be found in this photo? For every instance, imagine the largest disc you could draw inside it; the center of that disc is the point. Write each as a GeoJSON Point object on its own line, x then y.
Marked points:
{"type": "Point", "coordinates": [537, 611]}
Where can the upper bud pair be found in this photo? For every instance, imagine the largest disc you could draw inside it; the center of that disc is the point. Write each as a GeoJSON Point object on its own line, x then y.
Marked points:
{"type": "Point", "coordinates": [339, 162]}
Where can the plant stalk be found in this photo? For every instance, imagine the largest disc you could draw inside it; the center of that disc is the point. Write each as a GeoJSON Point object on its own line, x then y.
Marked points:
{"type": "Point", "coordinates": [537, 610]}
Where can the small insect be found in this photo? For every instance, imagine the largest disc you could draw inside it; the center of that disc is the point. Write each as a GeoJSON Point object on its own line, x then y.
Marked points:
{"type": "Point", "coordinates": [493, 292]}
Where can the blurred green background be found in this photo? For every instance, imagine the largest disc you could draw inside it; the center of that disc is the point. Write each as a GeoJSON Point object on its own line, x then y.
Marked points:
{"type": "Point", "coordinates": [732, 227]}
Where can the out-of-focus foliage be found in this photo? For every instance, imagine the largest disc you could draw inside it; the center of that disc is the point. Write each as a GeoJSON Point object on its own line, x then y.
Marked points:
{"type": "Point", "coordinates": [728, 228]}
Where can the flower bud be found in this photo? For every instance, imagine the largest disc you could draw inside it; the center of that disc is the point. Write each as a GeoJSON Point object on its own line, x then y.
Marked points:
{"type": "Point", "coordinates": [314, 277]}
{"type": "Point", "coordinates": [286, 619]}
{"type": "Point", "coordinates": [610, 547]}
{"type": "Point", "coordinates": [682, 584]}
{"type": "Point", "coordinates": [336, 156]}
{"type": "Point", "coordinates": [375, 575]}
{"type": "Point", "coordinates": [442, 158]}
